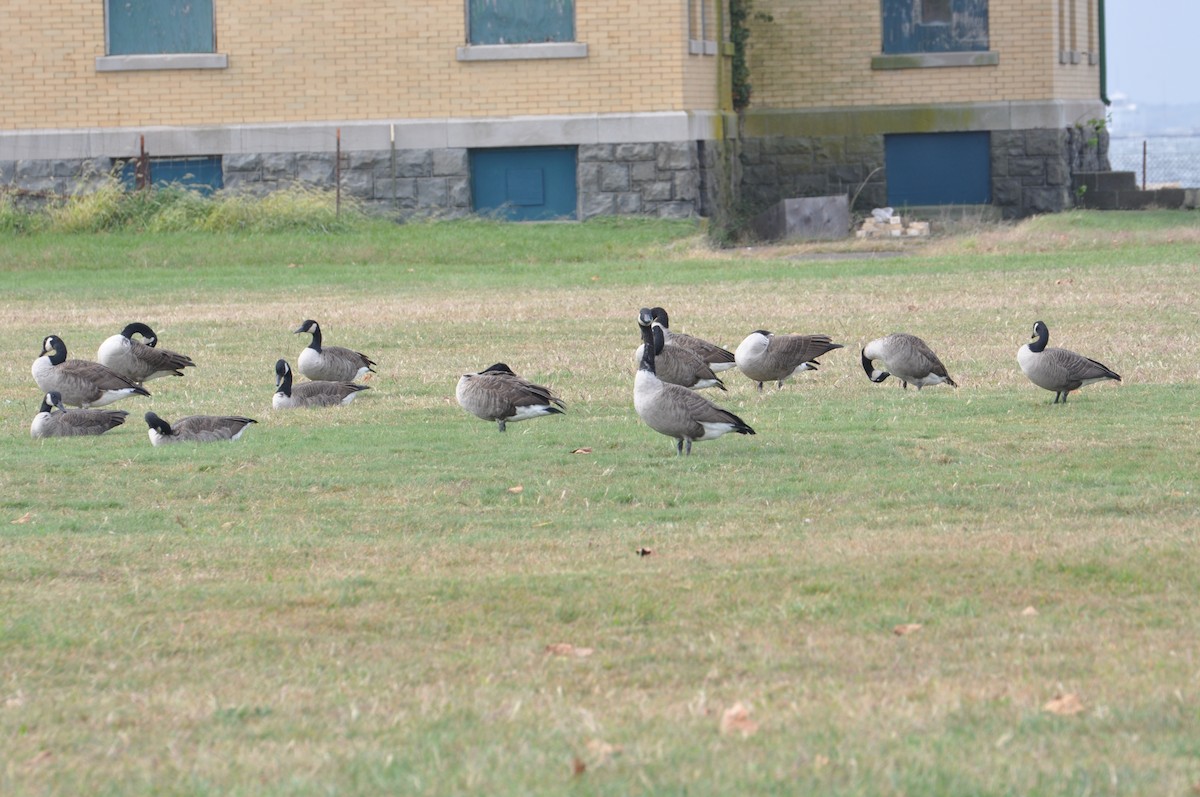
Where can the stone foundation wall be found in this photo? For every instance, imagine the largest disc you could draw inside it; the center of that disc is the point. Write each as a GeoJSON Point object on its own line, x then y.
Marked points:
{"type": "Point", "coordinates": [653, 179]}
{"type": "Point", "coordinates": [1031, 170]}
{"type": "Point", "coordinates": [782, 167]}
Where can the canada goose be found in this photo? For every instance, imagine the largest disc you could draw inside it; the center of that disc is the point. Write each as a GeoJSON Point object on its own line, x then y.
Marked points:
{"type": "Point", "coordinates": [81, 383]}
{"type": "Point", "coordinates": [497, 394]}
{"type": "Point", "coordinates": [764, 356]}
{"type": "Point", "coordinates": [906, 357]}
{"type": "Point", "coordinates": [717, 358]}
{"type": "Point", "coordinates": [318, 393]}
{"type": "Point", "coordinates": [140, 360]}
{"type": "Point", "coordinates": [70, 423]}
{"type": "Point", "coordinates": [196, 428]}
{"type": "Point", "coordinates": [677, 365]}
{"type": "Point", "coordinates": [1060, 370]}
{"type": "Point", "coordinates": [674, 410]}
{"type": "Point", "coordinates": [330, 363]}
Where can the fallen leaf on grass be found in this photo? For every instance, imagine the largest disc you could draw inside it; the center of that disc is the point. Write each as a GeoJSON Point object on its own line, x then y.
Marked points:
{"type": "Point", "coordinates": [567, 649]}
{"type": "Point", "coordinates": [41, 758]}
{"type": "Point", "coordinates": [516, 489]}
{"type": "Point", "coordinates": [906, 629]}
{"type": "Point", "coordinates": [1064, 705]}
{"type": "Point", "coordinates": [1029, 611]}
{"type": "Point", "coordinates": [644, 551]}
{"type": "Point", "coordinates": [582, 451]}
{"type": "Point", "coordinates": [736, 719]}
{"type": "Point", "coordinates": [578, 767]}
{"type": "Point", "coordinates": [28, 516]}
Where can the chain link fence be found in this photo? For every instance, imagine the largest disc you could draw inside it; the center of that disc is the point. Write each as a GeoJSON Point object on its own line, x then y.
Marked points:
{"type": "Point", "coordinates": [1158, 161]}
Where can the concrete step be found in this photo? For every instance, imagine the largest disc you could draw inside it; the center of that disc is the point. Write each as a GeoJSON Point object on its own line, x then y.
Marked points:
{"type": "Point", "coordinates": [1119, 191]}
{"type": "Point", "coordinates": [1104, 181]}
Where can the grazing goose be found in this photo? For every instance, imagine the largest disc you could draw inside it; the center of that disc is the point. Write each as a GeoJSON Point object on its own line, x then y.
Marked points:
{"type": "Point", "coordinates": [674, 410]}
{"type": "Point", "coordinates": [497, 394]}
{"type": "Point", "coordinates": [764, 356]}
{"type": "Point", "coordinates": [80, 383]}
{"type": "Point", "coordinates": [906, 357]}
{"type": "Point", "coordinates": [1060, 370]}
{"type": "Point", "coordinates": [319, 393]}
{"type": "Point", "coordinates": [140, 361]}
{"type": "Point", "coordinates": [717, 358]}
{"type": "Point", "coordinates": [330, 363]}
{"type": "Point", "coordinates": [196, 428]}
{"type": "Point", "coordinates": [71, 423]}
{"type": "Point", "coordinates": [677, 365]}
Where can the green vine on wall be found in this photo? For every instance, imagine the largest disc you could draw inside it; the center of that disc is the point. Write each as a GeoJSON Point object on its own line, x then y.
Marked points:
{"type": "Point", "coordinates": [740, 14]}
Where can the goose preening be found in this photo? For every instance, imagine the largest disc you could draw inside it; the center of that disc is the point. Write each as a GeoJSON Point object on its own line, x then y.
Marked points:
{"type": "Point", "coordinates": [906, 357]}
{"type": "Point", "coordinates": [71, 423]}
{"type": "Point", "coordinates": [140, 360]}
{"type": "Point", "coordinates": [677, 365]}
{"type": "Point", "coordinates": [718, 359]}
{"type": "Point", "coordinates": [1060, 370]}
{"type": "Point", "coordinates": [330, 363]}
{"type": "Point", "coordinates": [766, 357]}
{"type": "Point", "coordinates": [319, 393]}
{"type": "Point", "coordinates": [497, 394]}
{"type": "Point", "coordinates": [80, 383]}
{"type": "Point", "coordinates": [196, 428]}
{"type": "Point", "coordinates": [671, 409]}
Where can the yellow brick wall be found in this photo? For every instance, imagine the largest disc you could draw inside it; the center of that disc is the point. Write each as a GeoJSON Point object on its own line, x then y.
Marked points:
{"type": "Point", "coordinates": [818, 54]}
{"type": "Point", "coordinates": [299, 62]}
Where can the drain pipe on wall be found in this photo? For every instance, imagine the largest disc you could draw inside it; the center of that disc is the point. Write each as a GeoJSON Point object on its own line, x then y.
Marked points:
{"type": "Point", "coordinates": [1103, 54]}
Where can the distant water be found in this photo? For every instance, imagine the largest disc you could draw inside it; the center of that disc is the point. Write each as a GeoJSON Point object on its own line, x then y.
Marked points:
{"type": "Point", "coordinates": [1170, 160]}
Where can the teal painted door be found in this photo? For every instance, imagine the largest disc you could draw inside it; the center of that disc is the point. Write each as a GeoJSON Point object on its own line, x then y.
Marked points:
{"type": "Point", "coordinates": [524, 184]}
{"type": "Point", "coordinates": [938, 168]}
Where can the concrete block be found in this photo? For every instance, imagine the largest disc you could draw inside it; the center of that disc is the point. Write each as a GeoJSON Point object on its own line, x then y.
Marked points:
{"type": "Point", "coordinates": [823, 217]}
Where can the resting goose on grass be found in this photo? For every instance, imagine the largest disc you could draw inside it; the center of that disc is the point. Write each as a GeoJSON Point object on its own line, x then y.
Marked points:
{"type": "Point", "coordinates": [80, 383]}
{"type": "Point", "coordinates": [673, 410]}
{"type": "Point", "coordinates": [319, 393]}
{"type": "Point", "coordinates": [906, 357]}
{"type": "Point", "coordinates": [330, 363]}
{"type": "Point", "coordinates": [196, 428]}
{"type": "Point", "coordinates": [140, 360]}
{"type": "Point", "coordinates": [1059, 370]}
{"type": "Point", "coordinates": [497, 394]}
{"type": "Point", "coordinates": [72, 423]}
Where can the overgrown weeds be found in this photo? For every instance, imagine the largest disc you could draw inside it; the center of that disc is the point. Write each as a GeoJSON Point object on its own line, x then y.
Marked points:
{"type": "Point", "coordinates": [174, 208]}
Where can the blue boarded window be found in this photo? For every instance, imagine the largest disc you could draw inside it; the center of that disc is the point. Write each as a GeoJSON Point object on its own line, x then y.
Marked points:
{"type": "Point", "coordinates": [938, 168]}
{"type": "Point", "coordinates": [934, 26]}
{"type": "Point", "coordinates": [155, 27]}
{"type": "Point", "coordinates": [520, 21]}
{"type": "Point", "coordinates": [524, 183]}
{"type": "Point", "coordinates": [201, 174]}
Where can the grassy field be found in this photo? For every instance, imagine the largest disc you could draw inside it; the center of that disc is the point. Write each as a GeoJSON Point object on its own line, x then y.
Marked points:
{"type": "Point", "coordinates": [393, 598]}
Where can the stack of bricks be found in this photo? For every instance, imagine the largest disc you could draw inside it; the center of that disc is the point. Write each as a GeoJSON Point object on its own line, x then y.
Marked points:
{"type": "Point", "coordinates": [893, 227]}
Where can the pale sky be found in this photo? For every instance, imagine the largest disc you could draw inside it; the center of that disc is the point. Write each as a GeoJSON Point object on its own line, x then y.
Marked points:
{"type": "Point", "coordinates": [1152, 50]}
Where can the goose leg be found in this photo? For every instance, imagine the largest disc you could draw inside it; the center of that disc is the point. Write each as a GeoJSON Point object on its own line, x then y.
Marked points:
{"type": "Point", "coordinates": [501, 424]}
{"type": "Point", "coordinates": [689, 446]}
{"type": "Point", "coordinates": [679, 447]}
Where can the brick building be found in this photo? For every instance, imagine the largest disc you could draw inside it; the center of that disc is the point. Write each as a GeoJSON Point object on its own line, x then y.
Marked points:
{"type": "Point", "coordinates": [558, 108]}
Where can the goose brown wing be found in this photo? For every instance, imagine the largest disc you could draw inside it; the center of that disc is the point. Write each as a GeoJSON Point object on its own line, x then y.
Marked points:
{"type": "Point", "coordinates": [155, 360]}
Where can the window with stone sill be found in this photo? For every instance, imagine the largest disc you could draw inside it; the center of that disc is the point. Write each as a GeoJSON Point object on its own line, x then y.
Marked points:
{"type": "Point", "coordinates": [159, 34]}
{"type": "Point", "coordinates": [934, 26]}
{"type": "Point", "coordinates": [513, 30]}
